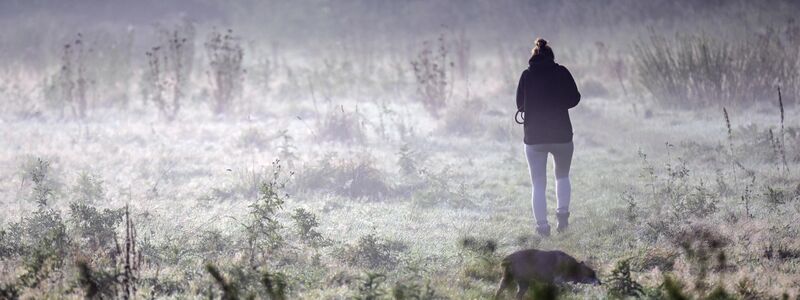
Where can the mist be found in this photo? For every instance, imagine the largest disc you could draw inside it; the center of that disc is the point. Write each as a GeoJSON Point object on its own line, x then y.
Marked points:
{"type": "Point", "coordinates": [322, 149]}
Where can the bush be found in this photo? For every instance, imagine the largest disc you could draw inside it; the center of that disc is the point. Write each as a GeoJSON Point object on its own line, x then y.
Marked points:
{"type": "Point", "coordinates": [433, 73]}
{"type": "Point", "coordinates": [306, 224]}
{"type": "Point", "coordinates": [341, 125]}
{"type": "Point", "coordinates": [620, 283]}
{"type": "Point", "coordinates": [263, 228]}
{"type": "Point", "coordinates": [72, 83]}
{"type": "Point", "coordinates": [169, 69]}
{"type": "Point", "coordinates": [40, 173]}
{"type": "Point", "coordinates": [226, 73]}
{"type": "Point", "coordinates": [350, 177]}
{"type": "Point", "coordinates": [43, 244]}
{"type": "Point", "coordinates": [88, 189]}
{"type": "Point", "coordinates": [414, 290]}
{"type": "Point", "coordinates": [369, 288]}
{"type": "Point", "coordinates": [482, 262]}
{"type": "Point", "coordinates": [372, 252]}
{"type": "Point", "coordinates": [441, 188]}
{"type": "Point", "coordinates": [95, 229]}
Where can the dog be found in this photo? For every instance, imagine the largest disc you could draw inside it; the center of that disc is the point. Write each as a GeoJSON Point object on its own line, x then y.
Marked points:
{"type": "Point", "coordinates": [550, 267]}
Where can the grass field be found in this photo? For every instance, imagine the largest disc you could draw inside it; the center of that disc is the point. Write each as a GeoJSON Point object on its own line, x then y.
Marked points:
{"type": "Point", "coordinates": [396, 175]}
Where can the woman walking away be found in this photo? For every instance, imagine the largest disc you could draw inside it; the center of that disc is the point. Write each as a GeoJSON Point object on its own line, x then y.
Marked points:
{"type": "Point", "coordinates": [546, 91]}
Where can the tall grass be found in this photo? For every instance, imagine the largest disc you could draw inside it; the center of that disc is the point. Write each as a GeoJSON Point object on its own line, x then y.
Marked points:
{"type": "Point", "coordinates": [699, 71]}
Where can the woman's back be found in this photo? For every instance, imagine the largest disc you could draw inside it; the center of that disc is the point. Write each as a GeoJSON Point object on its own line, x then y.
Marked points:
{"type": "Point", "coordinates": [546, 91]}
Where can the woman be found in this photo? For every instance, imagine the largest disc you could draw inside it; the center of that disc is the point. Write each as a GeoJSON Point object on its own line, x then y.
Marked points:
{"type": "Point", "coordinates": [546, 91]}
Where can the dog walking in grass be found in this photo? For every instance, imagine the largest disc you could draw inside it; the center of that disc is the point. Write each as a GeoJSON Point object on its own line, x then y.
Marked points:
{"type": "Point", "coordinates": [550, 267]}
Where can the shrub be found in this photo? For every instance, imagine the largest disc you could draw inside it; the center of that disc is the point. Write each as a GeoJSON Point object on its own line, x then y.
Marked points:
{"type": "Point", "coordinates": [43, 244]}
{"type": "Point", "coordinates": [408, 160]}
{"type": "Point", "coordinates": [95, 229]}
{"type": "Point", "coordinates": [97, 284]}
{"type": "Point", "coordinates": [372, 252]}
{"type": "Point", "coordinates": [226, 73]}
{"type": "Point", "coordinates": [433, 74]}
{"type": "Point", "coordinates": [414, 290]}
{"type": "Point", "coordinates": [369, 288]}
{"type": "Point", "coordinates": [620, 283]}
{"type": "Point", "coordinates": [306, 224]}
{"type": "Point", "coordinates": [169, 69]}
{"type": "Point", "coordinates": [88, 188]}
{"type": "Point", "coordinates": [72, 83]}
{"type": "Point", "coordinates": [482, 260]}
{"type": "Point", "coordinates": [341, 125]}
{"type": "Point", "coordinates": [263, 228]}
{"type": "Point", "coordinates": [441, 187]}
{"type": "Point", "coordinates": [351, 177]}
{"type": "Point", "coordinates": [478, 246]}
{"type": "Point", "coordinates": [40, 173]}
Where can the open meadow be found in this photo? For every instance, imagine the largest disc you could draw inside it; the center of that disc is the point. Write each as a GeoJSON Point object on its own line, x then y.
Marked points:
{"type": "Point", "coordinates": [368, 150]}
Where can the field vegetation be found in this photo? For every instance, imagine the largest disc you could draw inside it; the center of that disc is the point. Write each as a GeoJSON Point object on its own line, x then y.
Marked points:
{"type": "Point", "coordinates": [367, 149]}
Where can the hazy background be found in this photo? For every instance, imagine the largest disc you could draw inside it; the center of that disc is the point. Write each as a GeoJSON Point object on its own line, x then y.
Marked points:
{"type": "Point", "coordinates": [367, 149]}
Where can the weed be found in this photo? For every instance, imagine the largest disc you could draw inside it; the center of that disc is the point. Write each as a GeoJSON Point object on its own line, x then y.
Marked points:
{"type": "Point", "coordinates": [478, 246]}
{"type": "Point", "coordinates": [747, 289]}
{"type": "Point", "coordinates": [96, 285]}
{"type": "Point", "coordinates": [369, 288]}
{"type": "Point", "coordinates": [674, 289]}
{"type": "Point", "coordinates": [306, 224]}
{"type": "Point", "coordinates": [263, 228]}
{"type": "Point", "coordinates": [698, 71]}
{"type": "Point", "coordinates": [73, 83]}
{"type": "Point", "coordinates": [620, 282]}
{"type": "Point", "coordinates": [275, 284]}
{"type": "Point", "coordinates": [408, 160]}
{"type": "Point", "coordinates": [287, 148]}
{"type": "Point", "coordinates": [416, 291]}
{"type": "Point", "coordinates": [372, 252]}
{"type": "Point", "coordinates": [169, 69]}
{"type": "Point", "coordinates": [354, 177]}
{"type": "Point", "coordinates": [341, 125]}
{"type": "Point", "coordinates": [95, 229]}
{"type": "Point", "coordinates": [88, 188]}
{"type": "Point", "coordinates": [432, 70]}
{"type": "Point", "coordinates": [630, 207]}
{"type": "Point", "coordinates": [481, 259]}
{"type": "Point", "coordinates": [44, 244]}
{"type": "Point", "coordinates": [225, 55]}
{"type": "Point", "coordinates": [229, 290]}
{"type": "Point", "coordinates": [441, 188]}
{"type": "Point", "coordinates": [45, 186]}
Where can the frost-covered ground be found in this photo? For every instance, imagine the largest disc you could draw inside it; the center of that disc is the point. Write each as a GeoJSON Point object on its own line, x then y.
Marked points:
{"type": "Point", "coordinates": [631, 199]}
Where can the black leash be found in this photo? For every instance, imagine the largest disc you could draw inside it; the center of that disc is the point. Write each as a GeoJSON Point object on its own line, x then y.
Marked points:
{"type": "Point", "coordinates": [519, 115]}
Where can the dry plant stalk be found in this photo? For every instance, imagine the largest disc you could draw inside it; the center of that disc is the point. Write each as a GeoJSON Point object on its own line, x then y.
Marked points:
{"type": "Point", "coordinates": [133, 259]}
{"type": "Point", "coordinates": [169, 68]}
{"type": "Point", "coordinates": [72, 77]}
{"type": "Point", "coordinates": [225, 55]}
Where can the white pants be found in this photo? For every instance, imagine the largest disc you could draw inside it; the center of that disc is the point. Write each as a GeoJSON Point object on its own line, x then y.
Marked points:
{"type": "Point", "coordinates": [537, 165]}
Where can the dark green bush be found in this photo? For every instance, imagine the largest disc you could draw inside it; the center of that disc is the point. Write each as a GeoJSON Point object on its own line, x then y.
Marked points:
{"type": "Point", "coordinates": [94, 229]}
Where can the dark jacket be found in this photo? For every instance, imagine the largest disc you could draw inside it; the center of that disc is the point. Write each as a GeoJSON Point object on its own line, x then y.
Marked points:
{"type": "Point", "coordinates": [546, 91]}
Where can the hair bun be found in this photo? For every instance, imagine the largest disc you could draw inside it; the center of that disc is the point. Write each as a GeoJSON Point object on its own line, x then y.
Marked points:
{"type": "Point", "coordinates": [541, 43]}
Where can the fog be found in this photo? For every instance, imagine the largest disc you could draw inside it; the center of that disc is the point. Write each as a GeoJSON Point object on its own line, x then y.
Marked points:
{"type": "Point", "coordinates": [323, 149]}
